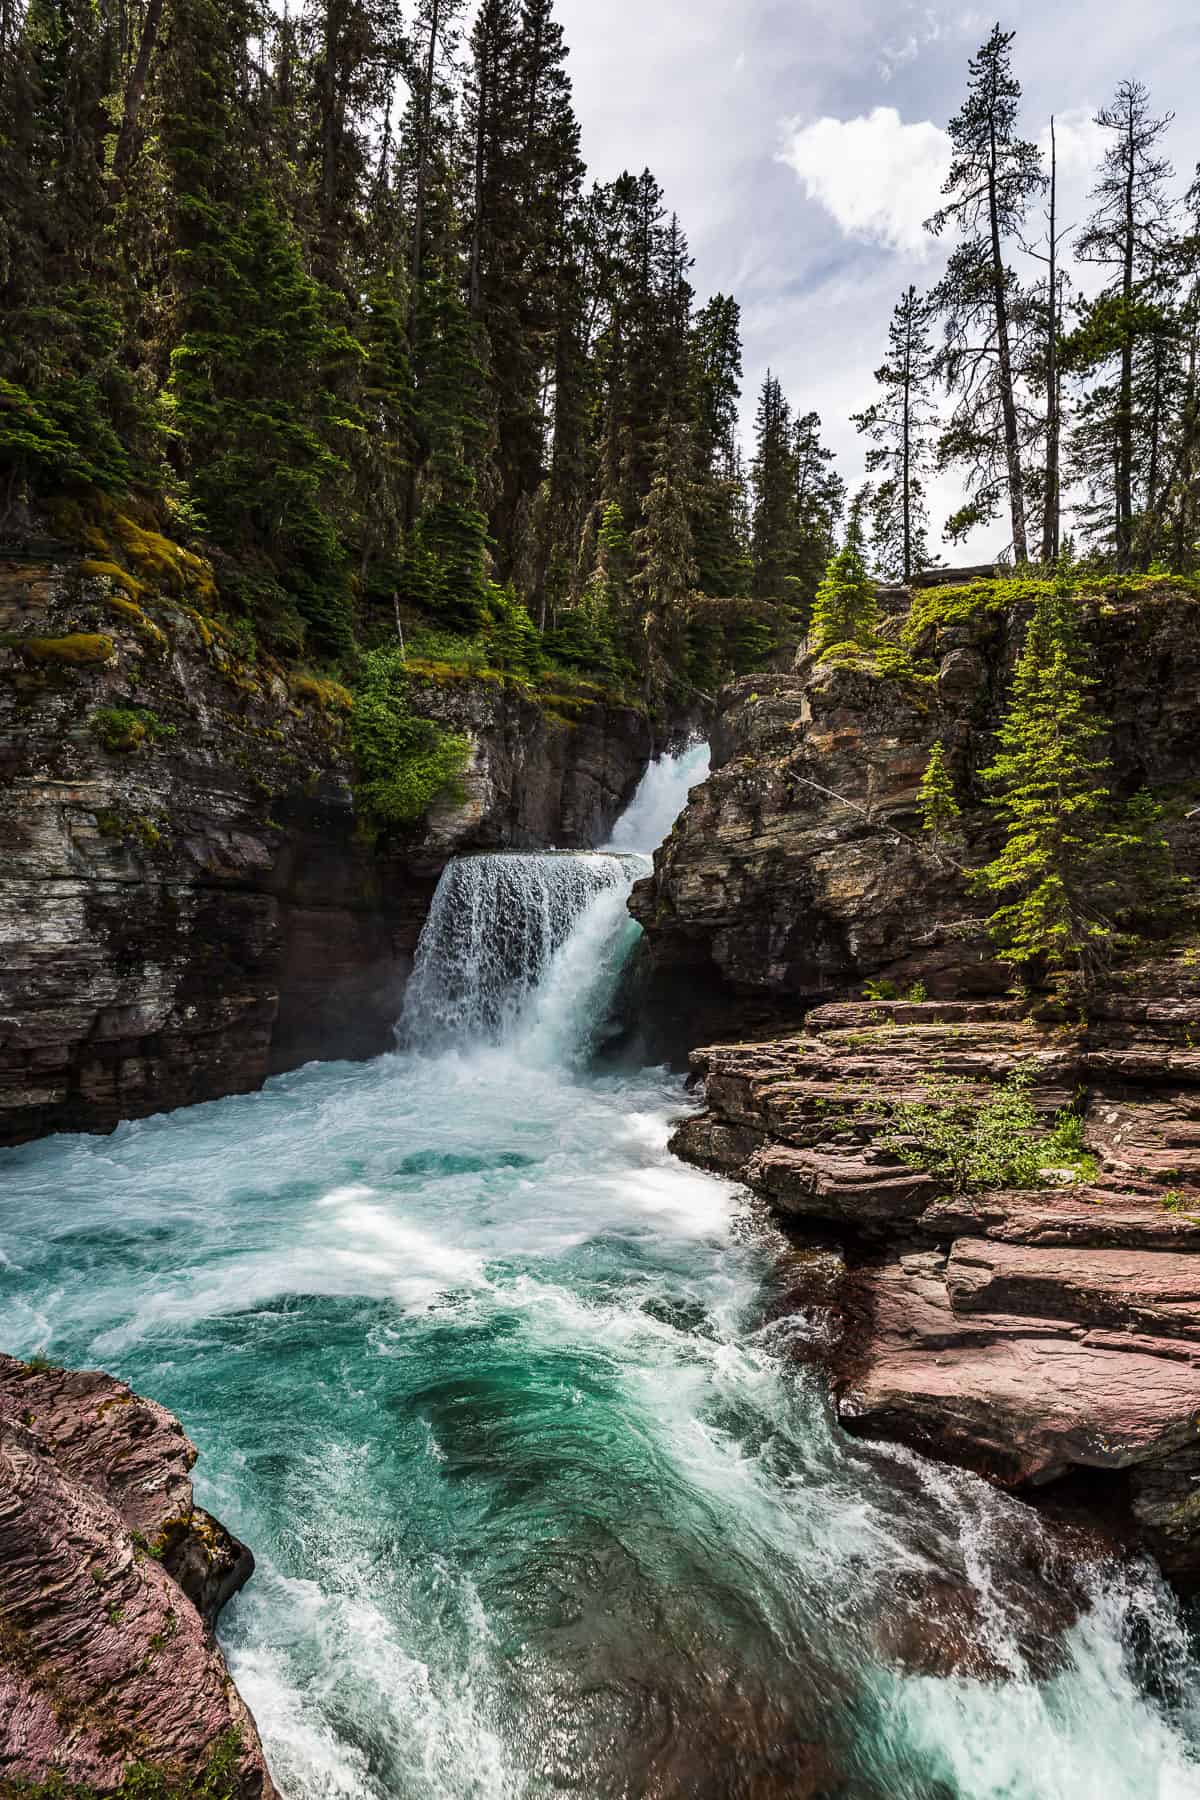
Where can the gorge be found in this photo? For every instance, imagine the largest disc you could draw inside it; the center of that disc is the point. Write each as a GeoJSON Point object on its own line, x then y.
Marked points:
{"type": "Point", "coordinates": [525, 1423]}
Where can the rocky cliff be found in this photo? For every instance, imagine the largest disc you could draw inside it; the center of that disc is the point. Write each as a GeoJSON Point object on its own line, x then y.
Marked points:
{"type": "Point", "coordinates": [110, 1581]}
{"type": "Point", "coordinates": [798, 870]}
{"type": "Point", "coordinates": [1027, 1332]}
{"type": "Point", "coordinates": [188, 902]}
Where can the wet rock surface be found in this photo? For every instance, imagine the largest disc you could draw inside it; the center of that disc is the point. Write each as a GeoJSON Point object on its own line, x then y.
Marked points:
{"type": "Point", "coordinates": [185, 916]}
{"type": "Point", "coordinates": [1023, 1333]}
{"type": "Point", "coordinates": [110, 1580]}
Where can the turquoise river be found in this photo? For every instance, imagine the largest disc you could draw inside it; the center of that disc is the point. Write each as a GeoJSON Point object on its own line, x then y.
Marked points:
{"type": "Point", "coordinates": [544, 1499]}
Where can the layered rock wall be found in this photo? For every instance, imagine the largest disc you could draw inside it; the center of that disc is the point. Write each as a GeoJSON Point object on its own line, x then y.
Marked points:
{"type": "Point", "coordinates": [110, 1580]}
{"type": "Point", "coordinates": [186, 914]}
{"type": "Point", "coordinates": [800, 868]}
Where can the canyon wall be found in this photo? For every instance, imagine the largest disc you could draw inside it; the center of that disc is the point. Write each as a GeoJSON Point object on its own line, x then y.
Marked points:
{"type": "Point", "coordinates": [184, 914]}
{"type": "Point", "coordinates": [800, 870]}
{"type": "Point", "coordinates": [1040, 1333]}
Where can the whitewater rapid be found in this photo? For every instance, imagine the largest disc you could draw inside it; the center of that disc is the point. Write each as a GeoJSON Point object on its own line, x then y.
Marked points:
{"type": "Point", "coordinates": [507, 1402]}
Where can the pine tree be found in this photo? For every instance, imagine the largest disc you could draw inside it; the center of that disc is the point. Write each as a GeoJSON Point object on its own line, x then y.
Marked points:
{"type": "Point", "coordinates": [250, 399]}
{"type": "Point", "coordinates": [993, 176]}
{"type": "Point", "coordinates": [718, 525]}
{"type": "Point", "coordinates": [1075, 866]}
{"type": "Point", "coordinates": [666, 565]}
{"type": "Point", "coordinates": [820, 500]}
{"type": "Point", "coordinates": [940, 811]}
{"type": "Point", "coordinates": [898, 425]}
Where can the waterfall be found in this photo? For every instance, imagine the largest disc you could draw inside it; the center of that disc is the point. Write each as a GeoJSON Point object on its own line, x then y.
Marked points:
{"type": "Point", "coordinates": [660, 799]}
{"type": "Point", "coordinates": [528, 949]}
{"type": "Point", "coordinates": [494, 931]}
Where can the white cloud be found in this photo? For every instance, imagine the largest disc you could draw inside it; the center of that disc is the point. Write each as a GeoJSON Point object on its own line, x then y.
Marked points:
{"type": "Point", "coordinates": [879, 178]}
{"type": "Point", "coordinates": [1079, 140]}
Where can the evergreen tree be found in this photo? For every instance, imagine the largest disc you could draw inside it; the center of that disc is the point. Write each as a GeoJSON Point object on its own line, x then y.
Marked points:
{"type": "Point", "coordinates": [250, 400]}
{"type": "Point", "coordinates": [1075, 866]}
{"type": "Point", "coordinates": [334, 287]}
{"type": "Point", "coordinates": [718, 527]}
{"type": "Point", "coordinates": [71, 413]}
{"type": "Point", "coordinates": [773, 483]}
{"type": "Point", "coordinates": [940, 811]}
{"type": "Point", "coordinates": [898, 426]}
{"type": "Point", "coordinates": [993, 176]}
{"type": "Point", "coordinates": [820, 500]}
{"type": "Point", "coordinates": [845, 611]}
{"type": "Point", "coordinates": [666, 567]}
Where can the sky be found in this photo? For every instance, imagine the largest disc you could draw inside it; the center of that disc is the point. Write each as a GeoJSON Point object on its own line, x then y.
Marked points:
{"type": "Point", "coordinates": [802, 143]}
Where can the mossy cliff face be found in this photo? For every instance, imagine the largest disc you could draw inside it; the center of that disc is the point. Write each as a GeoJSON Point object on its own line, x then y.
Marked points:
{"type": "Point", "coordinates": [188, 901]}
{"type": "Point", "coordinates": [800, 869]}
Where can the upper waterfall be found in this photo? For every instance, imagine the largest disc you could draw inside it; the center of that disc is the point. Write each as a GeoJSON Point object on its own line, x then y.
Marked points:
{"type": "Point", "coordinates": [660, 798]}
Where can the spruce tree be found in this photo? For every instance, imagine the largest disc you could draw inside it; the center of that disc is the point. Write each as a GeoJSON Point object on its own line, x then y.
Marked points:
{"type": "Point", "coordinates": [937, 800]}
{"type": "Point", "coordinates": [820, 499]}
{"type": "Point", "coordinates": [845, 611]}
{"type": "Point", "coordinates": [1075, 865]}
{"type": "Point", "coordinates": [250, 401]}
{"type": "Point", "coordinates": [993, 176]}
{"type": "Point", "coordinates": [718, 523]}
{"type": "Point", "coordinates": [1126, 332]}
{"type": "Point", "coordinates": [773, 479]}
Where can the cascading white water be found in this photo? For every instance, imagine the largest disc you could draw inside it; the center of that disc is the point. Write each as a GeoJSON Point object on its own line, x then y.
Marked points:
{"type": "Point", "coordinates": [494, 931]}
{"type": "Point", "coordinates": [661, 797]}
{"type": "Point", "coordinates": [530, 946]}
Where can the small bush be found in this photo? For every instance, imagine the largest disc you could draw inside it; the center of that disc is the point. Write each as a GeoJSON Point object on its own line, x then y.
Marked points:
{"type": "Point", "coordinates": [121, 729]}
{"type": "Point", "coordinates": [971, 1144]}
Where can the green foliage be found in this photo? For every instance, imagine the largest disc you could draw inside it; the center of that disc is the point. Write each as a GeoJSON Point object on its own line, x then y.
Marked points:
{"type": "Point", "coordinates": [940, 811]}
{"type": "Point", "coordinates": [508, 636]}
{"type": "Point", "coordinates": [123, 728]}
{"type": "Point", "coordinates": [969, 1143]}
{"type": "Point", "coordinates": [1076, 866]}
{"type": "Point", "coordinates": [405, 762]}
{"type": "Point", "coordinates": [845, 610]}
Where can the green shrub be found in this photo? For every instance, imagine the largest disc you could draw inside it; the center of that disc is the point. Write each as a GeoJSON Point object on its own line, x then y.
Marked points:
{"type": "Point", "coordinates": [405, 763]}
{"type": "Point", "coordinates": [968, 1143]}
{"type": "Point", "coordinates": [123, 728]}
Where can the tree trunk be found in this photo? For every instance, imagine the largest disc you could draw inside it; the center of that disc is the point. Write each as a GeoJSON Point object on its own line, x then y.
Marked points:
{"type": "Point", "coordinates": [426, 125]}
{"type": "Point", "coordinates": [1050, 511]}
{"type": "Point", "coordinates": [1012, 440]}
{"type": "Point", "coordinates": [1125, 404]}
{"type": "Point", "coordinates": [136, 91]}
{"type": "Point", "coordinates": [907, 446]}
